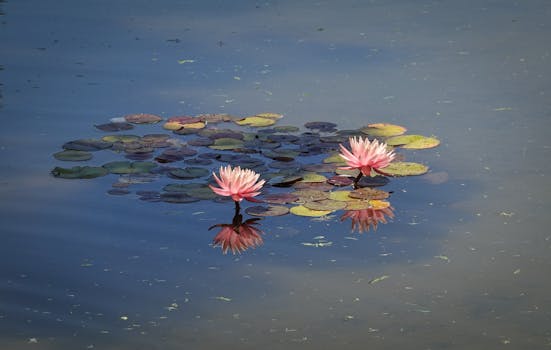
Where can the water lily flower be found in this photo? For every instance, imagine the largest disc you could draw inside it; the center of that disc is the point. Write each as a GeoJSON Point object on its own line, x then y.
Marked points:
{"type": "Point", "coordinates": [366, 155]}
{"type": "Point", "coordinates": [238, 183]}
{"type": "Point", "coordinates": [363, 220]}
{"type": "Point", "coordinates": [238, 237]}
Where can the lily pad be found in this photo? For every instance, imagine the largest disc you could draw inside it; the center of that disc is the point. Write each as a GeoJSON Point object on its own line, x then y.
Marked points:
{"type": "Point", "coordinates": [301, 210]}
{"type": "Point", "coordinates": [201, 141]}
{"type": "Point", "coordinates": [318, 186]}
{"type": "Point", "coordinates": [405, 169]}
{"type": "Point", "coordinates": [313, 177]}
{"type": "Point", "coordinates": [383, 130]}
{"type": "Point", "coordinates": [142, 118]}
{"type": "Point", "coordinates": [227, 143]}
{"type": "Point", "coordinates": [373, 181]}
{"type": "Point", "coordinates": [125, 167]}
{"type": "Point", "coordinates": [113, 127]}
{"type": "Point", "coordinates": [342, 196]}
{"type": "Point", "coordinates": [369, 193]}
{"type": "Point", "coordinates": [325, 204]}
{"type": "Point", "coordinates": [310, 195]}
{"type": "Point", "coordinates": [189, 172]}
{"type": "Point", "coordinates": [177, 197]}
{"type": "Point", "coordinates": [121, 138]}
{"type": "Point", "coordinates": [335, 158]}
{"type": "Point", "coordinates": [424, 143]}
{"type": "Point", "coordinates": [319, 168]}
{"type": "Point", "coordinates": [256, 121]}
{"type": "Point", "coordinates": [279, 198]}
{"type": "Point", "coordinates": [269, 115]}
{"type": "Point", "coordinates": [284, 181]}
{"type": "Point", "coordinates": [73, 156]}
{"type": "Point", "coordinates": [286, 128]}
{"type": "Point", "coordinates": [87, 145]}
{"type": "Point", "coordinates": [321, 126]}
{"type": "Point", "coordinates": [339, 180]}
{"type": "Point", "coordinates": [79, 172]}
{"type": "Point", "coordinates": [202, 192]}
{"type": "Point", "coordinates": [270, 210]}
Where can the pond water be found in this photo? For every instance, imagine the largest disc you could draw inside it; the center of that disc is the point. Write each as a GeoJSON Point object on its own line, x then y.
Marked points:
{"type": "Point", "coordinates": [464, 263]}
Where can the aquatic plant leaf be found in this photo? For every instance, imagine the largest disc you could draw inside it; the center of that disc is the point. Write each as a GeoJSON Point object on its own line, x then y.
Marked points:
{"type": "Point", "coordinates": [424, 143]}
{"type": "Point", "coordinates": [198, 161]}
{"type": "Point", "coordinates": [377, 204]}
{"type": "Point", "coordinates": [226, 143]}
{"type": "Point", "coordinates": [125, 167]}
{"type": "Point", "coordinates": [335, 158]}
{"type": "Point", "coordinates": [73, 156]}
{"type": "Point", "coordinates": [87, 145]}
{"type": "Point", "coordinates": [320, 168]}
{"type": "Point", "coordinates": [270, 210]}
{"type": "Point", "coordinates": [142, 118]}
{"type": "Point", "coordinates": [301, 210]}
{"type": "Point", "coordinates": [189, 172]}
{"type": "Point", "coordinates": [402, 139]}
{"type": "Point", "coordinates": [201, 141]}
{"type": "Point", "coordinates": [182, 187]}
{"type": "Point", "coordinates": [339, 180]}
{"type": "Point", "coordinates": [405, 169]}
{"type": "Point", "coordinates": [284, 181]}
{"type": "Point", "coordinates": [373, 181]}
{"type": "Point", "coordinates": [177, 197]}
{"type": "Point", "coordinates": [279, 198]}
{"type": "Point", "coordinates": [318, 186]}
{"type": "Point", "coordinates": [369, 193]}
{"type": "Point", "coordinates": [79, 172]}
{"type": "Point", "coordinates": [342, 196]}
{"type": "Point", "coordinates": [269, 115]}
{"type": "Point", "coordinates": [121, 138]}
{"type": "Point", "coordinates": [313, 177]}
{"type": "Point", "coordinates": [310, 195]}
{"type": "Point", "coordinates": [321, 126]}
{"type": "Point", "coordinates": [286, 128]}
{"type": "Point", "coordinates": [201, 192]}
{"type": "Point", "coordinates": [383, 130]}
{"type": "Point", "coordinates": [366, 204]}
{"type": "Point", "coordinates": [172, 126]}
{"type": "Point", "coordinates": [326, 204]}
{"type": "Point", "coordinates": [113, 127]}
{"type": "Point", "coordinates": [255, 121]}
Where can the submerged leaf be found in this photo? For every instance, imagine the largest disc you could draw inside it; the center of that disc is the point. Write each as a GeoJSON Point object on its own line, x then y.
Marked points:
{"type": "Point", "coordinates": [79, 172]}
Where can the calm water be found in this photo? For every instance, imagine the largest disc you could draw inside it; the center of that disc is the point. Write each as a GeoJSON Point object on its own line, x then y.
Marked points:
{"type": "Point", "coordinates": [467, 259]}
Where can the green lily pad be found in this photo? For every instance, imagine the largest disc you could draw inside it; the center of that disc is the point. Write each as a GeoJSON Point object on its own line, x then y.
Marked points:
{"type": "Point", "coordinates": [79, 172]}
{"type": "Point", "coordinates": [286, 128]}
{"type": "Point", "coordinates": [313, 177]}
{"type": "Point", "coordinates": [424, 143]}
{"type": "Point", "coordinates": [227, 143]}
{"type": "Point", "coordinates": [125, 167]}
{"type": "Point", "coordinates": [279, 198]}
{"type": "Point", "coordinates": [177, 197]}
{"type": "Point", "coordinates": [402, 139]}
{"type": "Point", "coordinates": [319, 168]}
{"type": "Point", "coordinates": [113, 127]}
{"type": "Point", "coordinates": [87, 145]}
{"type": "Point", "coordinates": [335, 158]}
{"type": "Point", "coordinates": [301, 210]}
{"type": "Point", "coordinates": [202, 192]}
{"type": "Point", "coordinates": [270, 210]}
{"type": "Point", "coordinates": [189, 172]}
{"type": "Point", "coordinates": [269, 115]}
{"type": "Point", "coordinates": [405, 169]}
{"type": "Point", "coordinates": [383, 130]}
{"type": "Point", "coordinates": [317, 186]}
{"type": "Point", "coordinates": [284, 181]}
{"type": "Point", "coordinates": [325, 204]}
{"type": "Point", "coordinates": [73, 156]}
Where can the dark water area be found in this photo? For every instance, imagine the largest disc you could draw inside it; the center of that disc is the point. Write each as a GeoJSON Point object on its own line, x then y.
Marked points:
{"type": "Point", "coordinates": [463, 264]}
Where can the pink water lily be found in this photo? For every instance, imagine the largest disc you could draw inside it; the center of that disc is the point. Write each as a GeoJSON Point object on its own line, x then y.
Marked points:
{"type": "Point", "coordinates": [237, 183]}
{"type": "Point", "coordinates": [366, 155]}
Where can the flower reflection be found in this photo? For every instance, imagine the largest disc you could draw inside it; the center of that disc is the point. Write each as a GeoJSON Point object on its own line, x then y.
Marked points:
{"type": "Point", "coordinates": [239, 235]}
{"type": "Point", "coordinates": [363, 220]}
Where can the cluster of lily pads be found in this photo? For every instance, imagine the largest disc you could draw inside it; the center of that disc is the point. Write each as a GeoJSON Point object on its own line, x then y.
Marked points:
{"type": "Point", "coordinates": [300, 165]}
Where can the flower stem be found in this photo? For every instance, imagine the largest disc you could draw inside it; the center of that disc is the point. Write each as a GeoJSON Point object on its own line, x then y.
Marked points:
{"type": "Point", "coordinates": [355, 183]}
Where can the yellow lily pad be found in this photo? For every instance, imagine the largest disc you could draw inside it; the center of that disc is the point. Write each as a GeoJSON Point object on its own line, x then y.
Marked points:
{"type": "Point", "coordinates": [402, 139]}
{"type": "Point", "coordinates": [172, 126]}
{"type": "Point", "coordinates": [270, 115]}
{"type": "Point", "coordinates": [369, 193]}
{"type": "Point", "coordinates": [379, 204]}
{"type": "Point", "coordinates": [256, 121]}
{"type": "Point", "coordinates": [342, 196]}
{"type": "Point", "coordinates": [301, 210]}
{"type": "Point", "coordinates": [198, 125]}
{"type": "Point", "coordinates": [383, 130]}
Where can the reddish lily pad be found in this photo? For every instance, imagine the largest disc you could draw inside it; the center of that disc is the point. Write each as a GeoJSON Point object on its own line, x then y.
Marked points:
{"type": "Point", "coordinates": [339, 180]}
{"type": "Point", "coordinates": [310, 195]}
{"type": "Point", "coordinates": [318, 186]}
{"type": "Point", "coordinates": [369, 193]}
{"type": "Point", "coordinates": [142, 118]}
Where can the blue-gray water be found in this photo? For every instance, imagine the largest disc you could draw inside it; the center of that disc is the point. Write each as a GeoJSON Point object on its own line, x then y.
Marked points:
{"type": "Point", "coordinates": [467, 259]}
